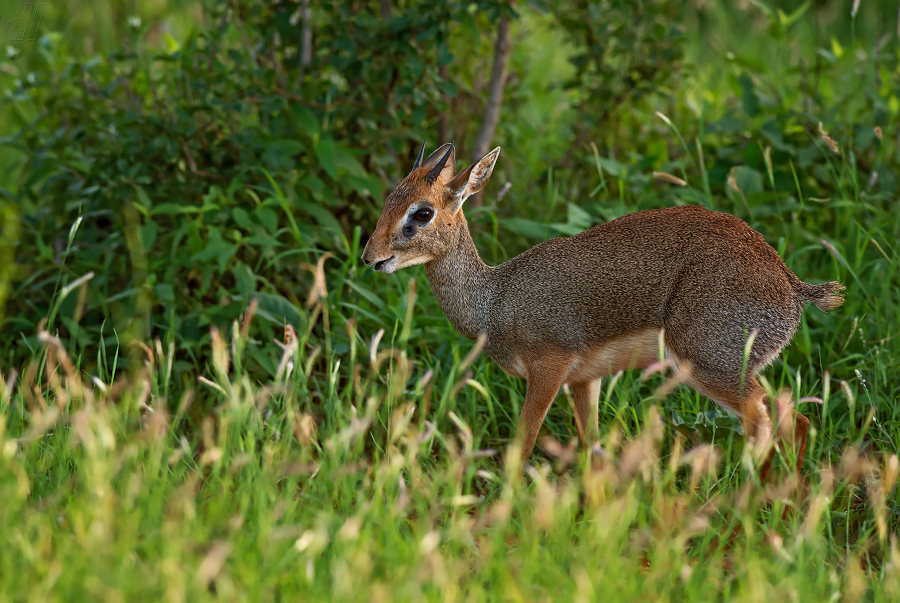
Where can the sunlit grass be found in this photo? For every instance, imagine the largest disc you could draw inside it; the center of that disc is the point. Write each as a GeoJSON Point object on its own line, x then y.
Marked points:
{"type": "Point", "coordinates": [380, 486]}
{"type": "Point", "coordinates": [372, 461]}
{"type": "Point", "coordinates": [365, 455]}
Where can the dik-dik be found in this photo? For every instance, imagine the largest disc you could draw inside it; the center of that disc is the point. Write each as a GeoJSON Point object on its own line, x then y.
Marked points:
{"type": "Point", "coordinates": [576, 309]}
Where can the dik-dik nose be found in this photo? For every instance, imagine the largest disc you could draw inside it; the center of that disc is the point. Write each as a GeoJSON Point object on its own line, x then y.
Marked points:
{"type": "Point", "coordinates": [373, 258]}
{"type": "Point", "coordinates": [366, 256]}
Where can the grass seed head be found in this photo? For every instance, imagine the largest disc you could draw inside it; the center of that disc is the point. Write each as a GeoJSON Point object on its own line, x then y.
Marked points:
{"type": "Point", "coordinates": [703, 460]}
{"type": "Point", "coordinates": [829, 141]}
{"type": "Point", "coordinates": [732, 180]}
{"type": "Point", "coordinates": [669, 178]}
{"type": "Point", "coordinates": [305, 429]}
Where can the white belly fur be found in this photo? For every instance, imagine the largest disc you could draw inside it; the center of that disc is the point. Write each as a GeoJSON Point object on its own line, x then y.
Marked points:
{"type": "Point", "coordinates": [635, 350]}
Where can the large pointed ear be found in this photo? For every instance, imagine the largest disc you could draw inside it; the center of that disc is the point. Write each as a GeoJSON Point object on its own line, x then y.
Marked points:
{"type": "Point", "coordinates": [473, 178]}
{"type": "Point", "coordinates": [441, 164]}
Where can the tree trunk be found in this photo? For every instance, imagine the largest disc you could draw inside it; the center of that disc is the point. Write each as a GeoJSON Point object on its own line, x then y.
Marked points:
{"type": "Point", "coordinates": [306, 34]}
{"type": "Point", "coordinates": [444, 132]}
{"type": "Point", "coordinates": [386, 9]}
{"type": "Point", "coordinates": [495, 99]}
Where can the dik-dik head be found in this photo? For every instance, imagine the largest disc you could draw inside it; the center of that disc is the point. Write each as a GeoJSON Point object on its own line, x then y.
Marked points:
{"type": "Point", "coordinates": [420, 218]}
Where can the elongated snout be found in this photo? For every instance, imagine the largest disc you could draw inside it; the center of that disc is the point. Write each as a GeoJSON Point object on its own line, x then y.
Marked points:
{"type": "Point", "coordinates": [368, 257]}
{"type": "Point", "coordinates": [380, 262]}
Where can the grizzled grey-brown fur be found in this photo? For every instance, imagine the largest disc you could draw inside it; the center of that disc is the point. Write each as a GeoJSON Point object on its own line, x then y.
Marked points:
{"type": "Point", "coordinates": [576, 309]}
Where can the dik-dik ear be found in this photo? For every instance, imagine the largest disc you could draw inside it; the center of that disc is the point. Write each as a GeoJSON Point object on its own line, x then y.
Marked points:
{"type": "Point", "coordinates": [473, 178]}
{"type": "Point", "coordinates": [441, 164]}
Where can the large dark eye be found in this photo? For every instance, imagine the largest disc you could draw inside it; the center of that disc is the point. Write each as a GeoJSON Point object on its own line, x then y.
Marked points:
{"type": "Point", "coordinates": [424, 214]}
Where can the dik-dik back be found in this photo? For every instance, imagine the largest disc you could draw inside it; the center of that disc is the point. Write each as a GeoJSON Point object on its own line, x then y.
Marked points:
{"type": "Point", "coordinates": [647, 271]}
{"type": "Point", "coordinates": [575, 309]}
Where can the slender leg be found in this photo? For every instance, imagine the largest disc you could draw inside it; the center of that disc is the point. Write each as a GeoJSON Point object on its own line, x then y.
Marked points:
{"type": "Point", "coordinates": [586, 396]}
{"type": "Point", "coordinates": [750, 405]}
{"type": "Point", "coordinates": [793, 428]}
{"type": "Point", "coordinates": [758, 424]}
{"type": "Point", "coordinates": [543, 385]}
{"type": "Point", "coordinates": [754, 415]}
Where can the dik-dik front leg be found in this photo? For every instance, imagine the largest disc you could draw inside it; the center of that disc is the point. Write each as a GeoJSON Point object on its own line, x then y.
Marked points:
{"type": "Point", "coordinates": [585, 397]}
{"type": "Point", "coordinates": [544, 381]}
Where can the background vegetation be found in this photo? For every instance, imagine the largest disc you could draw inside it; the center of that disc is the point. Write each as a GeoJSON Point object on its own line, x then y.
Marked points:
{"type": "Point", "coordinates": [205, 395]}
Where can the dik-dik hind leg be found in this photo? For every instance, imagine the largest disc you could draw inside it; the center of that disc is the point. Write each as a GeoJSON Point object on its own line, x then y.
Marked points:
{"type": "Point", "coordinates": [544, 382]}
{"type": "Point", "coordinates": [586, 396]}
{"type": "Point", "coordinates": [793, 428]}
{"type": "Point", "coordinates": [752, 406]}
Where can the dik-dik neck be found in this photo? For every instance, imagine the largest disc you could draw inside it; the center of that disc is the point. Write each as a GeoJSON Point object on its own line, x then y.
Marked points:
{"type": "Point", "coordinates": [463, 284]}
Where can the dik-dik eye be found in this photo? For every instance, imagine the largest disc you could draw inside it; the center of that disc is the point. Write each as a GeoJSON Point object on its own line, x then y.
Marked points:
{"type": "Point", "coordinates": [424, 214]}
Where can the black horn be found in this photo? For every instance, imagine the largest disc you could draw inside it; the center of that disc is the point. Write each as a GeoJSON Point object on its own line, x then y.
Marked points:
{"type": "Point", "coordinates": [418, 162]}
{"type": "Point", "coordinates": [432, 176]}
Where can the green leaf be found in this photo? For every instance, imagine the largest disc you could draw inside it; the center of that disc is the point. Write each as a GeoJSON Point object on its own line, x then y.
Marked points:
{"type": "Point", "coordinates": [216, 249]}
{"type": "Point", "coordinates": [762, 6]}
{"type": "Point", "coordinates": [241, 218]}
{"type": "Point", "coordinates": [750, 182]}
{"type": "Point", "coordinates": [148, 233]}
{"type": "Point", "coordinates": [566, 229]}
{"type": "Point", "coordinates": [267, 217]}
{"type": "Point", "coordinates": [347, 161]}
{"type": "Point", "coordinates": [327, 154]}
{"type": "Point", "coordinates": [366, 293]}
{"type": "Point", "coordinates": [611, 166]}
{"type": "Point", "coordinates": [174, 208]}
{"type": "Point", "coordinates": [577, 217]}
{"type": "Point", "coordinates": [787, 20]}
{"type": "Point", "coordinates": [312, 183]}
{"type": "Point", "coordinates": [279, 310]}
{"type": "Point", "coordinates": [279, 154]}
{"type": "Point", "coordinates": [286, 147]}
{"type": "Point", "coordinates": [772, 132]}
{"type": "Point", "coordinates": [365, 186]}
{"type": "Point", "coordinates": [321, 215]}
{"type": "Point", "coordinates": [528, 228]}
{"type": "Point", "coordinates": [164, 292]}
{"type": "Point", "coordinates": [171, 43]}
{"type": "Point", "coordinates": [143, 197]}
{"type": "Point", "coordinates": [726, 124]}
{"type": "Point", "coordinates": [244, 279]}
{"type": "Point", "coordinates": [836, 48]}
{"type": "Point", "coordinates": [749, 100]}
{"type": "Point", "coordinates": [305, 119]}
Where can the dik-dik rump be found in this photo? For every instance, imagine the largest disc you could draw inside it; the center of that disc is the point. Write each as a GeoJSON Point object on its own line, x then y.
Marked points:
{"type": "Point", "coordinates": [576, 309]}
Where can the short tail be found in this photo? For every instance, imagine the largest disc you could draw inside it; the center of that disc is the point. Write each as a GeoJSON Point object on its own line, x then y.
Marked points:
{"type": "Point", "coordinates": [826, 296]}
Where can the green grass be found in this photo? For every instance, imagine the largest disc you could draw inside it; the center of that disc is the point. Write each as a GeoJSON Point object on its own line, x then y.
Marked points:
{"type": "Point", "coordinates": [370, 464]}
{"type": "Point", "coordinates": [367, 459]}
{"type": "Point", "coordinates": [396, 493]}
